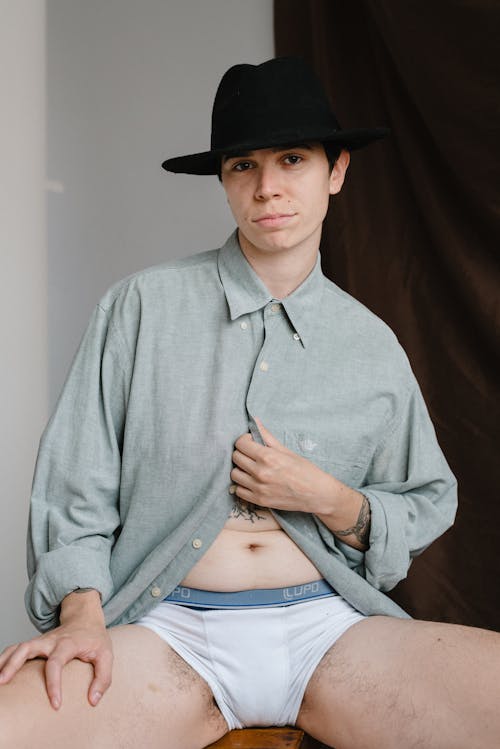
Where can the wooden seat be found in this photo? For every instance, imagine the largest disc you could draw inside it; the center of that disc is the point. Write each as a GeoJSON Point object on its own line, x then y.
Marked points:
{"type": "Point", "coordinates": [267, 738]}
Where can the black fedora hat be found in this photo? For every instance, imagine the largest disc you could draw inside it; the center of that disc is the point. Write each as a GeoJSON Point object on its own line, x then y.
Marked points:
{"type": "Point", "coordinates": [278, 103]}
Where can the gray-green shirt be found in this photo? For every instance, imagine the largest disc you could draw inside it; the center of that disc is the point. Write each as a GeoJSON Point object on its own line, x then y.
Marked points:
{"type": "Point", "coordinates": [132, 479]}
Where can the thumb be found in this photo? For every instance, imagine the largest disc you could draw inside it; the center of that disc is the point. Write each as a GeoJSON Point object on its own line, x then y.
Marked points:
{"type": "Point", "coordinates": [269, 438]}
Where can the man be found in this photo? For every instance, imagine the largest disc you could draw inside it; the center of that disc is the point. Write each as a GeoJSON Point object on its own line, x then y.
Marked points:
{"type": "Point", "coordinates": [240, 463]}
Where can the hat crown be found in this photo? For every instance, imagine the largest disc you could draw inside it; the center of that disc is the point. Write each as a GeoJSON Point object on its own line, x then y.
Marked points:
{"type": "Point", "coordinates": [279, 100]}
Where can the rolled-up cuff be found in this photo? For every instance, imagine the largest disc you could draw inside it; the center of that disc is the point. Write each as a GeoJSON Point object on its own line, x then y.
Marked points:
{"type": "Point", "coordinates": [61, 571]}
{"type": "Point", "coordinates": [387, 559]}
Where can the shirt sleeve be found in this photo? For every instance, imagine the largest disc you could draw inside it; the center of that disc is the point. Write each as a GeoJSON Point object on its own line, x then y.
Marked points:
{"type": "Point", "coordinates": [412, 494]}
{"type": "Point", "coordinates": [74, 513]}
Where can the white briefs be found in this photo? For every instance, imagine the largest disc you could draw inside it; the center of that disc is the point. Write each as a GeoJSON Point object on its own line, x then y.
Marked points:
{"type": "Point", "coordinates": [256, 661]}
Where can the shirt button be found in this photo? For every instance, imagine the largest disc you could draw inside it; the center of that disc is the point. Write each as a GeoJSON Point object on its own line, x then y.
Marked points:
{"type": "Point", "coordinates": [275, 307]}
{"type": "Point", "coordinates": [156, 591]}
{"type": "Point", "coordinates": [197, 543]}
{"type": "Point", "coordinates": [243, 325]}
{"type": "Point", "coordinates": [264, 366]}
{"type": "Point", "coordinates": [296, 336]}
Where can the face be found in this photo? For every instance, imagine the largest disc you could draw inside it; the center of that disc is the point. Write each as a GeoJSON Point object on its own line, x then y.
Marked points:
{"type": "Point", "coordinates": [279, 197]}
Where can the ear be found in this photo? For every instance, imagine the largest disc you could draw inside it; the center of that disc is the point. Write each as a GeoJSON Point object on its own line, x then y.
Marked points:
{"type": "Point", "coordinates": [339, 171]}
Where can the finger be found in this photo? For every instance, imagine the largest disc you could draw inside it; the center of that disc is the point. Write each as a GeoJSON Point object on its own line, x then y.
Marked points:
{"type": "Point", "coordinates": [61, 655]}
{"type": "Point", "coordinates": [249, 447]}
{"type": "Point", "coordinates": [243, 461]}
{"type": "Point", "coordinates": [19, 654]}
{"type": "Point", "coordinates": [269, 438]}
{"type": "Point", "coordinates": [103, 667]}
{"type": "Point", "coordinates": [247, 495]}
{"type": "Point", "coordinates": [244, 439]}
{"type": "Point", "coordinates": [242, 479]}
{"type": "Point", "coordinates": [5, 655]}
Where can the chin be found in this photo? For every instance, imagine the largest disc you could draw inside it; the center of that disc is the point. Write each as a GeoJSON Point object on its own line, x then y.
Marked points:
{"type": "Point", "coordinates": [270, 247]}
{"type": "Point", "coordinates": [273, 241]}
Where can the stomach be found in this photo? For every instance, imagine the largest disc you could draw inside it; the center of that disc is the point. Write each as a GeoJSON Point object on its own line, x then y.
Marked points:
{"type": "Point", "coordinates": [251, 551]}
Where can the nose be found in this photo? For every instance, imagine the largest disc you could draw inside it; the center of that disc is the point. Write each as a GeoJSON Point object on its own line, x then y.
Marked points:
{"type": "Point", "coordinates": [268, 183]}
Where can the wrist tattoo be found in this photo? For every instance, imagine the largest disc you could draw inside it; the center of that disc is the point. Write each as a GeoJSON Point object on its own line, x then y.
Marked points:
{"type": "Point", "coordinates": [361, 530]}
{"type": "Point", "coordinates": [246, 510]}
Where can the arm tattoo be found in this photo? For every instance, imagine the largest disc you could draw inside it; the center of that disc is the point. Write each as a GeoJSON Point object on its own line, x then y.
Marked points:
{"type": "Point", "coordinates": [246, 510]}
{"type": "Point", "coordinates": [362, 528]}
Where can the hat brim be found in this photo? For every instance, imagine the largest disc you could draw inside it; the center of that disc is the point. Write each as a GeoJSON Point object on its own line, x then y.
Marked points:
{"type": "Point", "coordinates": [208, 162]}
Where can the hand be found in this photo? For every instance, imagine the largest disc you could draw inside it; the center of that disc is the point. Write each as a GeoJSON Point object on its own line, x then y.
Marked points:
{"type": "Point", "coordinates": [274, 476]}
{"type": "Point", "coordinates": [82, 638]}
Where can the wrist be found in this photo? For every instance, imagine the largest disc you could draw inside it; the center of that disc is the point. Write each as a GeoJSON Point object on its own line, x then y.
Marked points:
{"type": "Point", "coordinates": [82, 602]}
{"type": "Point", "coordinates": [350, 518]}
{"type": "Point", "coordinates": [331, 491]}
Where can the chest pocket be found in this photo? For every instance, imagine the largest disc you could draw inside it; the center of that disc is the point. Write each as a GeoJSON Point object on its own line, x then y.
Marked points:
{"type": "Point", "coordinates": [344, 462]}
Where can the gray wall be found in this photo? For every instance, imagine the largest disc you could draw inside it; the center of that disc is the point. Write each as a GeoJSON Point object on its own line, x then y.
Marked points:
{"type": "Point", "coordinates": [129, 83]}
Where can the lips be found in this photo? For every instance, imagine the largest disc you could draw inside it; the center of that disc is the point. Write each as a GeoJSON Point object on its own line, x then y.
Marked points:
{"type": "Point", "coordinates": [272, 220]}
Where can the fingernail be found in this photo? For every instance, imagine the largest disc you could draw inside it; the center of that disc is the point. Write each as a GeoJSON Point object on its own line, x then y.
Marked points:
{"type": "Point", "coordinates": [56, 703]}
{"type": "Point", "coordinates": [95, 697]}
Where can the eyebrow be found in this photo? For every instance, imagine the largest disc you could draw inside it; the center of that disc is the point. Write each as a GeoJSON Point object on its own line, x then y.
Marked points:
{"type": "Point", "coordinates": [275, 149]}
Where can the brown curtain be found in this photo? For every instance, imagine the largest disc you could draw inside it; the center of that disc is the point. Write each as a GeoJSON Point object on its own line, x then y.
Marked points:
{"type": "Point", "coordinates": [414, 236]}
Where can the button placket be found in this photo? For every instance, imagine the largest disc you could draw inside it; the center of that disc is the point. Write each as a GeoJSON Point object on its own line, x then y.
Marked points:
{"type": "Point", "coordinates": [258, 393]}
{"type": "Point", "coordinates": [271, 312]}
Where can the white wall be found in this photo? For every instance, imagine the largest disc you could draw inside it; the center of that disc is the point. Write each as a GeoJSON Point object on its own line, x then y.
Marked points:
{"type": "Point", "coordinates": [129, 83]}
{"type": "Point", "coordinates": [23, 297]}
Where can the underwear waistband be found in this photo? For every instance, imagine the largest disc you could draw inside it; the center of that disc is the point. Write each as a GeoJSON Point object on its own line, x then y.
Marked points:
{"type": "Point", "coordinates": [207, 599]}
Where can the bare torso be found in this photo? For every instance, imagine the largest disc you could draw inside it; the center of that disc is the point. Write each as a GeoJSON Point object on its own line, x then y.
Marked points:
{"type": "Point", "coordinates": [251, 551]}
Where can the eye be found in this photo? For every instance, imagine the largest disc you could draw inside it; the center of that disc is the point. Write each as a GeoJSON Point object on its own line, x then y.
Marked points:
{"type": "Point", "coordinates": [292, 158]}
{"type": "Point", "coordinates": [241, 166]}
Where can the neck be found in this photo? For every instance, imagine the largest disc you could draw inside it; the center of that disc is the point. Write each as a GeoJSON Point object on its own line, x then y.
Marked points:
{"type": "Point", "coordinates": [283, 271]}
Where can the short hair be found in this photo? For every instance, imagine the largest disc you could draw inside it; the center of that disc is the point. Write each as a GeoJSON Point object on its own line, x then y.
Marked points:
{"type": "Point", "coordinates": [332, 151]}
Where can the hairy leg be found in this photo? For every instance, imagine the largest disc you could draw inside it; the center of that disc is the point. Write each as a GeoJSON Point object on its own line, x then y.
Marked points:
{"type": "Point", "coordinates": [156, 700]}
{"type": "Point", "coordinates": [393, 683]}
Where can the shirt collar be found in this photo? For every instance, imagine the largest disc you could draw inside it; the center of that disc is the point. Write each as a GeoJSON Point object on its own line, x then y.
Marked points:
{"type": "Point", "coordinates": [246, 293]}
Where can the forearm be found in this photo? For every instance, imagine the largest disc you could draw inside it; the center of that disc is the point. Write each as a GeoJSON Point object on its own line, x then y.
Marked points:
{"type": "Point", "coordinates": [347, 514]}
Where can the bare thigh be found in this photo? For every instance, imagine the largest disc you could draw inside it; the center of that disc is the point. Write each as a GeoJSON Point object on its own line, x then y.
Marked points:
{"type": "Point", "coordinates": [156, 700]}
{"type": "Point", "coordinates": [396, 683]}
